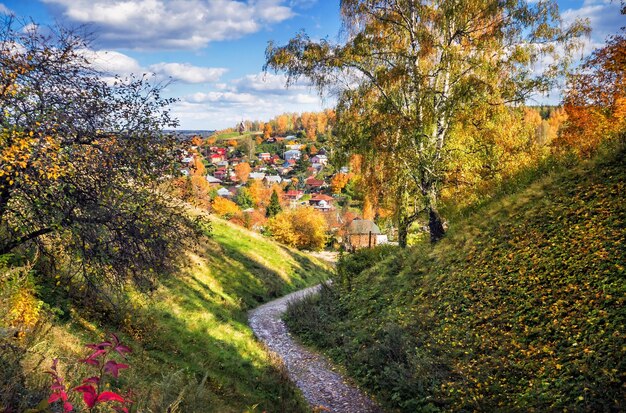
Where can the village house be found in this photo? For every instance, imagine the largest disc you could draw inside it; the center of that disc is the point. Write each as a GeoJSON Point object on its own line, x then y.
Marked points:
{"type": "Point", "coordinates": [269, 180]}
{"type": "Point", "coordinates": [224, 193]}
{"type": "Point", "coordinates": [221, 173]}
{"type": "Point", "coordinates": [320, 159]}
{"type": "Point", "coordinates": [293, 195]}
{"type": "Point", "coordinates": [216, 158]}
{"type": "Point", "coordinates": [213, 181]}
{"type": "Point", "coordinates": [256, 175]}
{"type": "Point", "coordinates": [362, 233]}
{"type": "Point", "coordinates": [276, 160]}
{"type": "Point", "coordinates": [313, 184]}
{"type": "Point", "coordinates": [265, 156]}
{"type": "Point", "coordinates": [294, 154]}
{"type": "Point", "coordinates": [321, 202]}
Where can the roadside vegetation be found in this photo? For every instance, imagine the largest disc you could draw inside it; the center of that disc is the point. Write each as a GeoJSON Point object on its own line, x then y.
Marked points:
{"type": "Point", "coordinates": [519, 308]}
{"type": "Point", "coordinates": [192, 348]}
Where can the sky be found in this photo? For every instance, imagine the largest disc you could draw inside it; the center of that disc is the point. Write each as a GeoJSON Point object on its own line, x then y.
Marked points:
{"type": "Point", "coordinates": [213, 51]}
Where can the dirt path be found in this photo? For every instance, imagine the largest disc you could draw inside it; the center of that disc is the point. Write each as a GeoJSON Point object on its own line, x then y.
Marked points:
{"type": "Point", "coordinates": [312, 372]}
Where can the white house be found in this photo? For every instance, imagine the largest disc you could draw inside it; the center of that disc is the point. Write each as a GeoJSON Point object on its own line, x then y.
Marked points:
{"type": "Point", "coordinates": [256, 175]}
{"type": "Point", "coordinates": [213, 180]}
{"type": "Point", "coordinates": [272, 179]}
{"type": "Point", "coordinates": [224, 193]}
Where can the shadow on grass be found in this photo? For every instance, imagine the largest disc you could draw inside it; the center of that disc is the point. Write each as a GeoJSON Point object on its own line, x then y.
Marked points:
{"type": "Point", "coordinates": [217, 352]}
{"type": "Point", "coordinates": [244, 278]}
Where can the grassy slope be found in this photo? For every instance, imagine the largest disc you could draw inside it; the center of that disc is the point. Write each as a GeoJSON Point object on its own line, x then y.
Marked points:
{"type": "Point", "coordinates": [192, 342]}
{"type": "Point", "coordinates": [520, 308]}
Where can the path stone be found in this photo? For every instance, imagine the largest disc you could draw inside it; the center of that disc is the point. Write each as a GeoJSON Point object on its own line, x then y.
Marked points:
{"type": "Point", "coordinates": [311, 372]}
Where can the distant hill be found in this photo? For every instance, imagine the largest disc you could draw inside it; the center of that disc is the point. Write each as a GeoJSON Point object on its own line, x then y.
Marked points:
{"type": "Point", "coordinates": [520, 308]}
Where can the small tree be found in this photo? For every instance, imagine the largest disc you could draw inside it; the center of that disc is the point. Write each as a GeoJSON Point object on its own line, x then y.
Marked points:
{"type": "Point", "coordinates": [225, 208]}
{"type": "Point", "coordinates": [242, 171]}
{"type": "Point", "coordinates": [243, 198]}
{"type": "Point", "coordinates": [302, 228]}
{"type": "Point", "coordinates": [408, 69]}
{"type": "Point", "coordinates": [596, 100]}
{"type": "Point", "coordinates": [274, 206]}
{"type": "Point", "coordinates": [82, 162]}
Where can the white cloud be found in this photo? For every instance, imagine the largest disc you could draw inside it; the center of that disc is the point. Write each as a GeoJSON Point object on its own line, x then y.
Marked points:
{"type": "Point", "coordinates": [5, 10]}
{"type": "Point", "coordinates": [223, 98]}
{"type": "Point", "coordinates": [112, 62]}
{"type": "Point", "coordinates": [255, 96]}
{"type": "Point", "coordinates": [268, 83]}
{"type": "Point", "coordinates": [603, 16]}
{"type": "Point", "coordinates": [188, 73]}
{"type": "Point", "coordinates": [151, 24]}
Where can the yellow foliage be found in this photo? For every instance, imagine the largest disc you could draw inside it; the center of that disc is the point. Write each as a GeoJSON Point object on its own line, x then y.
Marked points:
{"type": "Point", "coordinates": [225, 208]}
{"type": "Point", "coordinates": [302, 228]}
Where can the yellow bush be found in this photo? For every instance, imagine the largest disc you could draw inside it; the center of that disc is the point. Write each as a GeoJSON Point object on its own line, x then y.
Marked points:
{"type": "Point", "coordinates": [302, 228]}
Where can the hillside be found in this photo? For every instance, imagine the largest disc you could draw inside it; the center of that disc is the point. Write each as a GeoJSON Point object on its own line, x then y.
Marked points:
{"type": "Point", "coordinates": [519, 308]}
{"type": "Point", "coordinates": [193, 350]}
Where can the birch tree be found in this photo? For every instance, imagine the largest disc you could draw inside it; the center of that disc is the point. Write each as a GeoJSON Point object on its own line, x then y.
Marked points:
{"type": "Point", "coordinates": [407, 68]}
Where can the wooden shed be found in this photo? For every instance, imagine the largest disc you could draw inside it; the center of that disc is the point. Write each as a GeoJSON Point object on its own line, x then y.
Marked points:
{"type": "Point", "coordinates": [362, 233]}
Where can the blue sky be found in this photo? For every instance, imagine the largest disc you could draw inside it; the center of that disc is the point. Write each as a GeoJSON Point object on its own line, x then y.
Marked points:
{"type": "Point", "coordinates": [213, 50]}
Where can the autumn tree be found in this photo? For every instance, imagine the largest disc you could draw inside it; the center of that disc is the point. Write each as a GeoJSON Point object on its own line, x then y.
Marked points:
{"type": "Point", "coordinates": [338, 182]}
{"type": "Point", "coordinates": [258, 192]}
{"type": "Point", "coordinates": [302, 228]}
{"type": "Point", "coordinates": [408, 68]}
{"type": "Point", "coordinates": [243, 198]}
{"type": "Point", "coordinates": [82, 162]}
{"type": "Point", "coordinates": [273, 208]}
{"type": "Point", "coordinates": [595, 102]}
{"type": "Point", "coordinates": [198, 166]}
{"type": "Point", "coordinates": [282, 123]}
{"type": "Point", "coordinates": [225, 208]}
{"type": "Point", "coordinates": [267, 130]}
{"type": "Point", "coordinates": [242, 171]}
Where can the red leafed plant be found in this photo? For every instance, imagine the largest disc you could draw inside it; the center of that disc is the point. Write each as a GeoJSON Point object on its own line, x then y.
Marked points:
{"type": "Point", "coordinates": [91, 388]}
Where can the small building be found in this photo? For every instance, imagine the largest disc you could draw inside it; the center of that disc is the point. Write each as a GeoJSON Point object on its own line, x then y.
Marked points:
{"type": "Point", "coordinates": [222, 164]}
{"type": "Point", "coordinates": [321, 159]}
{"type": "Point", "coordinates": [275, 160]}
{"type": "Point", "coordinates": [313, 184]}
{"type": "Point", "coordinates": [221, 173]}
{"type": "Point", "coordinates": [294, 154]}
{"type": "Point", "coordinates": [256, 175]}
{"type": "Point", "coordinates": [213, 180]}
{"type": "Point", "coordinates": [321, 202]}
{"type": "Point", "coordinates": [265, 156]}
{"type": "Point", "coordinates": [272, 179]}
{"type": "Point", "coordinates": [362, 233]}
{"type": "Point", "coordinates": [224, 193]}
{"type": "Point", "coordinates": [216, 158]}
{"type": "Point", "coordinates": [293, 195]}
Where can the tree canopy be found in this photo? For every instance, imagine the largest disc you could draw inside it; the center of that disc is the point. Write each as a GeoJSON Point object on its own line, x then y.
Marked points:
{"type": "Point", "coordinates": [81, 162]}
{"type": "Point", "coordinates": [408, 68]}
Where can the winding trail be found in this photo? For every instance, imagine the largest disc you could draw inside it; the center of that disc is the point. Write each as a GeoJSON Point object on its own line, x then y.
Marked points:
{"type": "Point", "coordinates": [312, 372]}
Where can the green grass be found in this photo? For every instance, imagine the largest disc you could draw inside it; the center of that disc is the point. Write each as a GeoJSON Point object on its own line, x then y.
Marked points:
{"type": "Point", "coordinates": [193, 350]}
{"type": "Point", "coordinates": [520, 307]}
{"type": "Point", "coordinates": [235, 135]}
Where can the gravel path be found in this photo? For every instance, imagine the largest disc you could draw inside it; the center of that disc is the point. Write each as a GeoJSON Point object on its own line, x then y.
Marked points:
{"type": "Point", "coordinates": [311, 372]}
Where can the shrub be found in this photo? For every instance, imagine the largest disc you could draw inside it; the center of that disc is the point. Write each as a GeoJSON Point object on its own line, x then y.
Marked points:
{"type": "Point", "coordinates": [302, 228]}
